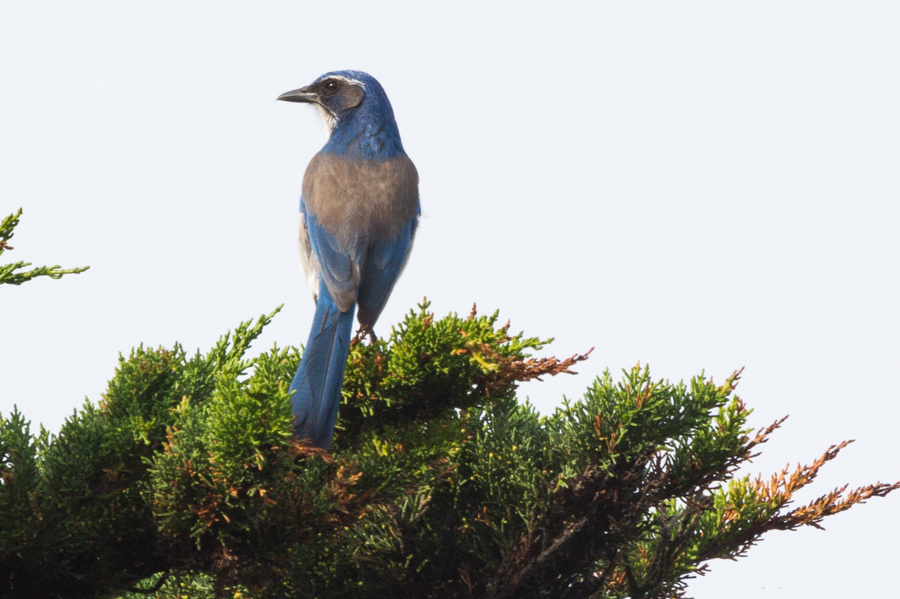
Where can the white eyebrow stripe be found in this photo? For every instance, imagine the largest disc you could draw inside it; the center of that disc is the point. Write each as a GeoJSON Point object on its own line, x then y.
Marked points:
{"type": "Point", "coordinates": [346, 80]}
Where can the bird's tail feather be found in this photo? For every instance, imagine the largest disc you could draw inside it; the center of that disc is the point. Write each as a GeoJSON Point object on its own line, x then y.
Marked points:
{"type": "Point", "coordinates": [317, 383]}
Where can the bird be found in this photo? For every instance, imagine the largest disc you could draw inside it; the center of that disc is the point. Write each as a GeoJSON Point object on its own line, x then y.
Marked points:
{"type": "Point", "coordinates": [359, 210]}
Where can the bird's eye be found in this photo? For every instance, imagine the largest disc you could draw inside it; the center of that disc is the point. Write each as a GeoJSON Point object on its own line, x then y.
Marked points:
{"type": "Point", "coordinates": [331, 86]}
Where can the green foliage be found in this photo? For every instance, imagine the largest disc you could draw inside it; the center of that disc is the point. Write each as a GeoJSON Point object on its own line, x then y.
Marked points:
{"type": "Point", "coordinates": [185, 480]}
{"type": "Point", "coordinates": [8, 272]}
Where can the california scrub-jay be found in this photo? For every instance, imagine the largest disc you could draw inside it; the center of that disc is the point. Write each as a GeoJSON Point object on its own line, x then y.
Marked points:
{"type": "Point", "coordinates": [358, 217]}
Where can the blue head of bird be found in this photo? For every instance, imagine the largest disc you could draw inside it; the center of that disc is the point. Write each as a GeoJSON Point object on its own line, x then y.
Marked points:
{"type": "Point", "coordinates": [357, 114]}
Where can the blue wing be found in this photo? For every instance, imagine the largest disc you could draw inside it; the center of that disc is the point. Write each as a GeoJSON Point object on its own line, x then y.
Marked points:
{"type": "Point", "coordinates": [384, 263]}
{"type": "Point", "coordinates": [338, 266]}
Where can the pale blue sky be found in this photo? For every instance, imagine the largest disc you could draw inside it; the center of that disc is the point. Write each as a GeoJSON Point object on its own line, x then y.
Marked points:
{"type": "Point", "coordinates": [691, 185]}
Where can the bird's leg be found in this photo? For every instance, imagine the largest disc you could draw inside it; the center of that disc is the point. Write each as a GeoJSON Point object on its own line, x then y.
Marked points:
{"type": "Point", "coordinates": [365, 330]}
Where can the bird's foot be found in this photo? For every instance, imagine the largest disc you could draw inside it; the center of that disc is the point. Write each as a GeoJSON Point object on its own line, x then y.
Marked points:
{"type": "Point", "coordinates": [364, 331]}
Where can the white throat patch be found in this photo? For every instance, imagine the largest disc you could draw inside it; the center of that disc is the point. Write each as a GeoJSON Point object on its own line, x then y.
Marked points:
{"type": "Point", "coordinates": [327, 117]}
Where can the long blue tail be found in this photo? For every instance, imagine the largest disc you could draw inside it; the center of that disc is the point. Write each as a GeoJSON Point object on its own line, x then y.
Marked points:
{"type": "Point", "coordinates": [317, 383]}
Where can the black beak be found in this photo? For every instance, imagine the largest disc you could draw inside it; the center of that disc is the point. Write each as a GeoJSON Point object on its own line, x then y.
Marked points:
{"type": "Point", "coordinates": [299, 95]}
